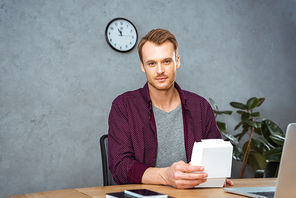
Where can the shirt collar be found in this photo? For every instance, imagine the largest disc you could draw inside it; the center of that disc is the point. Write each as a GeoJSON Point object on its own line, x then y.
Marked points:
{"type": "Point", "coordinates": [148, 99]}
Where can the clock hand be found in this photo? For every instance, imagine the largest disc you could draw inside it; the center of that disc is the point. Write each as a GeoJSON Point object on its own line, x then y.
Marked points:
{"type": "Point", "coordinates": [119, 32]}
{"type": "Point", "coordinates": [125, 35]}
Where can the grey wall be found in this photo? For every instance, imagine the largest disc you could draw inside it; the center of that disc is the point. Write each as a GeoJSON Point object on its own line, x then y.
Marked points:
{"type": "Point", "coordinates": [58, 76]}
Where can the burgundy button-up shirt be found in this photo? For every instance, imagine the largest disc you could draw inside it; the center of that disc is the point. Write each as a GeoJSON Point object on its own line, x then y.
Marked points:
{"type": "Point", "coordinates": [132, 139]}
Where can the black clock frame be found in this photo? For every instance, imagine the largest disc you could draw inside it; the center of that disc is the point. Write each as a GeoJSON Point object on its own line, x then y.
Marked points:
{"type": "Point", "coordinates": [106, 32]}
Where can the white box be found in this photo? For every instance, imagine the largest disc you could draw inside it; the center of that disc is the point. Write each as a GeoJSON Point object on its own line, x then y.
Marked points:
{"type": "Point", "coordinates": [215, 155]}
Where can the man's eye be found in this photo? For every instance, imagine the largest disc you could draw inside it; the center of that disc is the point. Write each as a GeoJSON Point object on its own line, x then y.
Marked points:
{"type": "Point", "coordinates": [166, 62]}
{"type": "Point", "coordinates": [151, 64]}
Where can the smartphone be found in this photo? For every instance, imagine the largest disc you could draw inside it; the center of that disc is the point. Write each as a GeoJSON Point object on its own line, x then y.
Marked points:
{"type": "Point", "coordinates": [143, 193]}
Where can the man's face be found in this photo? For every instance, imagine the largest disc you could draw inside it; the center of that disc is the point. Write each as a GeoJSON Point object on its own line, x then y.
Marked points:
{"type": "Point", "coordinates": [160, 65]}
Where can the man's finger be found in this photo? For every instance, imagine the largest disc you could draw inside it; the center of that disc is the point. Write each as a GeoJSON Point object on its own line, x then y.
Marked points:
{"type": "Point", "coordinates": [227, 181]}
{"type": "Point", "coordinates": [189, 183]}
{"type": "Point", "coordinates": [182, 166]}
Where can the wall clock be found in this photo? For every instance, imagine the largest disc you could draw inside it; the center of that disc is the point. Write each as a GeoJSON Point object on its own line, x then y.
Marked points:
{"type": "Point", "coordinates": [121, 34]}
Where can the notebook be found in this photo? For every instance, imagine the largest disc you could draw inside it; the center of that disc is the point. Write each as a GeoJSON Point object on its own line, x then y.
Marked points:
{"type": "Point", "coordinates": [285, 186]}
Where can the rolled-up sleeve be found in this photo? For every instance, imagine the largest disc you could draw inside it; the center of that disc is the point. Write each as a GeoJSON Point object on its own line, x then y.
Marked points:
{"type": "Point", "coordinates": [123, 165]}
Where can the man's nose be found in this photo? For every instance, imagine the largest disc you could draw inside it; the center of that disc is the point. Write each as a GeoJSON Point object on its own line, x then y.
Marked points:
{"type": "Point", "coordinates": [160, 68]}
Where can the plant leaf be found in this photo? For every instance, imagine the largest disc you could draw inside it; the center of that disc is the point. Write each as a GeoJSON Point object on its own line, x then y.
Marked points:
{"type": "Point", "coordinates": [241, 112]}
{"type": "Point", "coordinates": [241, 135]}
{"type": "Point", "coordinates": [255, 114]}
{"type": "Point", "coordinates": [221, 126]}
{"type": "Point", "coordinates": [252, 103]}
{"type": "Point", "coordinates": [258, 131]}
{"type": "Point", "coordinates": [238, 105]}
{"type": "Point", "coordinates": [238, 154]}
{"type": "Point", "coordinates": [256, 161]}
{"type": "Point", "coordinates": [230, 137]}
{"type": "Point", "coordinates": [245, 116]}
{"type": "Point", "coordinates": [274, 155]}
{"type": "Point", "coordinates": [278, 139]}
{"type": "Point", "coordinates": [254, 124]}
{"type": "Point", "coordinates": [223, 112]}
{"type": "Point", "coordinates": [261, 100]}
{"type": "Point", "coordinates": [260, 145]}
{"type": "Point", "coordinates": [268, 128]}
{"type": "Point", "coordinates": [237, 126]}
{"type": "Point", "coordinates": [213, 104]}
{"type": "Point", "coordinates": [274, 129]}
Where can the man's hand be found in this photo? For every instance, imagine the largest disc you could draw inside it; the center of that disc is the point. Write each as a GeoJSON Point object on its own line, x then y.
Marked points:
{"type": "Point", "coordinates": [178, 175]}
{"type": "Point", "coordinates": [229, 182]}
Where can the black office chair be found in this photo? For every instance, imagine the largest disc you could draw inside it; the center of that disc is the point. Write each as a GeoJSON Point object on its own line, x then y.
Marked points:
{"type": "Point", "coordinates": [107, 175]}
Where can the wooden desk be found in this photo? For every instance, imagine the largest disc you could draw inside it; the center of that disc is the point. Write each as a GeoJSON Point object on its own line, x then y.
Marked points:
{"type": "Point", "coordinates": [97, 192]}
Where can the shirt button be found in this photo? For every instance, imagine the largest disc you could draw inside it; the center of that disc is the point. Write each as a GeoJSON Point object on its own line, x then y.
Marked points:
{"type": "Point", "coordinates": [154, 156]}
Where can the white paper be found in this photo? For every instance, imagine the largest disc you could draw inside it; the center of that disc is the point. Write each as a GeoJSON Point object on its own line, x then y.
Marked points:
{"type": "Point", "coordinates": [212, 183]}
{"type": "Point", "coordinates": [215, 155]}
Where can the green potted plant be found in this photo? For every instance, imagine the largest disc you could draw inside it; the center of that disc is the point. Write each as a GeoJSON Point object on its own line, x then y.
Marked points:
{"type": "Point", "coordinates": [263, 152]}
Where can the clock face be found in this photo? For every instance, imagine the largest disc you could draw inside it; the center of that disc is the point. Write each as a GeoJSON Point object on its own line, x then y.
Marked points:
{"type": "Point", "coordinates": [121, 34]}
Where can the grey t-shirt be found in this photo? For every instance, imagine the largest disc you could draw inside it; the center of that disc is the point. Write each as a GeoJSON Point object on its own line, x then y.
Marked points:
{"type": "Point", "coordinates": [170, 136]}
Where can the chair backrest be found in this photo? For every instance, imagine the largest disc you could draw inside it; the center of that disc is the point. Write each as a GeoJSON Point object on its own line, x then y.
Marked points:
{"type": "Point", "coordinates": [107, 175]}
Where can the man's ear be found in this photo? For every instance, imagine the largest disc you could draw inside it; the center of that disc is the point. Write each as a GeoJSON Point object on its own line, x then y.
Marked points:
{"type": "Point", "coordinates": [142, 67]}
{"type": "Point", "coordinates": [178, 63]}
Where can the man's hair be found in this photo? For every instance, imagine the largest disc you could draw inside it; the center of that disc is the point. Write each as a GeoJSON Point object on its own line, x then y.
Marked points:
{"type": "Point", "coordinates": [158, 36]}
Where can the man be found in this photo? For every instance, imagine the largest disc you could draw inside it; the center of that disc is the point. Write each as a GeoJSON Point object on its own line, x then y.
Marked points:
{"type": "Point", "coordinates": [152, 130]}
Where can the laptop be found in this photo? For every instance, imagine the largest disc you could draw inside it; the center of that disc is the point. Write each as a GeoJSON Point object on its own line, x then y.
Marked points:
{"type": "Point", "coordinates": [285, 186]}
